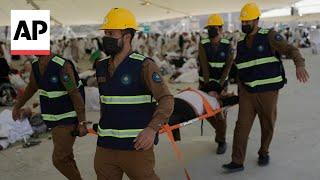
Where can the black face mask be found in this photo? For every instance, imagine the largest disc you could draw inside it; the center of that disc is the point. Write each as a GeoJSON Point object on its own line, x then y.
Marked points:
{"type": "Point", "coordinates": [111, 45]}
{"type": "Point", "coordinates": [213, 32]}
{"type": "Point", "coordinates": [247, 29]}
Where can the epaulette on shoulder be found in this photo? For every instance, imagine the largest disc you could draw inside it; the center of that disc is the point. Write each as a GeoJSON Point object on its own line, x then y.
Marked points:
{"type": "Point", "coordinates": [59, 60]}
{"type": "Point", "coordinates": [264, 31]}
{"type": "Point", "coordinates": [137, 56]}
{"type": "Point", "coordinates": [225, 41]}
{"type": "Point", "coordinates": [205, 41]}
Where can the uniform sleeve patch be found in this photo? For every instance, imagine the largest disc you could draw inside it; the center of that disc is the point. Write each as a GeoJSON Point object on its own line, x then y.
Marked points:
{"type": "Point", "coordinates": [66, 78]}
{"type": "Point", "coordinates": [68, 82]}
{"type": "Point", "coordinates": [156, 77]}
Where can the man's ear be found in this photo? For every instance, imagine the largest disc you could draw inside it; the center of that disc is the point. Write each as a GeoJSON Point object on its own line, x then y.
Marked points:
{"type": "Point", "coordinates": [127, 37]}
{"type": "Point", "coordinates": [221, 29]}
{"type": "Point", "coordinates": [256, 22]}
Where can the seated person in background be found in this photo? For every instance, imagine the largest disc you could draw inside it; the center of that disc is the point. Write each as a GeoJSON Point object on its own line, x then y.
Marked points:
{"type": "Point", "coordinates": [20, 79]}
{"type": "Point", "coordinates": [190, 76]}
{"type": "Point", "coordinates": [4, 69]}
{"type": "Point", "coordinates": [177, 60]}
{"type": "Point", "coordinates": [89, 76]}
{"type": "Point", "coordinates": [8, 92]}
{"type": "Point", "coordinates": [189, 104]}
{"type": "Point", "coordinates": [188, 73]}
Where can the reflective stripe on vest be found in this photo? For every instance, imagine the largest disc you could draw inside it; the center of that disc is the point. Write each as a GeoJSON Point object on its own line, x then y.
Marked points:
{"type": "Point", "coordinates": [56, 94]}
{"type": "Point", "coordinates": [140, 99]}
{"type": "Point", "coordinates": [106, 58]}
{"type": "Point", "coordinates": [225, 41]}
{"type": "Point", "coordinates": [263, 31]}
{"type": "Point", "coordinates": [217, 64]}
{"type": "Point", "coordinates": [257, 62]}
{"type": "Point", "coordinates": [34, 61]}
{"type": "Point", "coordinates": [137, 56]}
{"type": "Point", "coordinates": [57, 117]}
{"type": "Point", "coordinates": [205, 41]}
{"type": "Point", "coordinates": [265, 81]}
{"type": "Point", "coordinates": [52, 94]}
{"type": "Point", "coordinates": [123, 133]}
{"type": "Point", "coordinates": [210, 79]}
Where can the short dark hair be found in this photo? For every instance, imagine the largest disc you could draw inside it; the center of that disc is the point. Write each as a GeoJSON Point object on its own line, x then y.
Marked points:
{"type": "Point", "coordinates": [130, 31]}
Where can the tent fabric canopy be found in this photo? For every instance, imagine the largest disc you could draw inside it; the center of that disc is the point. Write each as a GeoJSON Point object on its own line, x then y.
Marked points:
{"type": "Point", "coordinates": [305, 18]}
{"type": "Point", "coordinates": [77, 12]}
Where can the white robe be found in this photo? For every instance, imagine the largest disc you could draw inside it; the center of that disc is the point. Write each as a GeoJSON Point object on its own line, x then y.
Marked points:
{"type": "Point", "coordinates": [196, 101]}
{"type": "Point", "coordinates": [315, 40]}
{"type": "Point", "coordinates": [92, 99]}
{"type": "Point", "coordinates": [13, 130]}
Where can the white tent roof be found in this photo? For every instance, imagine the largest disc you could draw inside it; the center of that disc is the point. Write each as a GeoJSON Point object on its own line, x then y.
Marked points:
{"type": "Point", "coordinates": [75, 12]}
{"type": "Point", "coordinates": [304, 18]}
{"type": "Point", "coordinates": [305, 10]}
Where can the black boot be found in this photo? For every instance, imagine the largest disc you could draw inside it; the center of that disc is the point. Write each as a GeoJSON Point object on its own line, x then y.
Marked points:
{"type": "Point", "coordinates": [263, 160]}
{"type": "Point", "coordinates": [233, 167]}
{"type": "Point", "coordinates": [222, 147]}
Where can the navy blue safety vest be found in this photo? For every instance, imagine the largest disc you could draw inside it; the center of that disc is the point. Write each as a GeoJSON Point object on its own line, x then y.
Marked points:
{"type": "Point", "coordinates": [127, 105]}
{"type": "Point", "coordinates": [216, 60]}
{"type": "Point", "coordinates": [258, 67]}
{"type": "Point", "coordinates": [56, 105]}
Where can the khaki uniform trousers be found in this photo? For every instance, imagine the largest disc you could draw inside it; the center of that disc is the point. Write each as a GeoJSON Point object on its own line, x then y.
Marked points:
{"type": "Point", "coordinates": [251, 104]}
{"type": "Point", "coordinates": [111, 164]}
{"type": "Point", "coordinates": [62, 157]}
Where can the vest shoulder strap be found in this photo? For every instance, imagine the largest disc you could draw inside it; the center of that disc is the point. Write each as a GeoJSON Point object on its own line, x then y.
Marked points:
{"type": "Point", "coordinates": [137, 56]}
{"type": "Point", "coordinates": [264, 31]}
{"type": "Point", "coordinates": [34, 61]}
{"type": "Point", "coordinates": [205, 41]}
{"type": "Point", "coordinates": [58, 60]}
{"type": "Point", "coordinates": [104, 59]}
{"type": "Point", "coordinates": [101, 61]}
{"type": "Point", "coordinates": [242, 37]}
{"type": "Point", "coordinates": [101, 66]}
{"type": "Point", "coordinates": [225, 41]}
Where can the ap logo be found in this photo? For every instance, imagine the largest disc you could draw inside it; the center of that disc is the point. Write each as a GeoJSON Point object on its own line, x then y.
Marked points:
{"type": "Point", "coordinates": [30, 32]}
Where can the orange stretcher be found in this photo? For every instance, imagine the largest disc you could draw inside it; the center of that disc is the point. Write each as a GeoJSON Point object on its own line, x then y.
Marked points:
{"type": "Point", "coordinates": [209, 112]}
{"type": "Point", "coordinates": [168, 129]}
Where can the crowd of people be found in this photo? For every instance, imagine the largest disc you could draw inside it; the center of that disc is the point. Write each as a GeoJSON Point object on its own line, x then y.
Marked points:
{"type": "Point", "coordinates": [174, 53]}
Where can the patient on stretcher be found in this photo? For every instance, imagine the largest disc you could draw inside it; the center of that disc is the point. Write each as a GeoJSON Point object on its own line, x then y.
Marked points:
{"type": "Point", "coordinates": [189, 104]}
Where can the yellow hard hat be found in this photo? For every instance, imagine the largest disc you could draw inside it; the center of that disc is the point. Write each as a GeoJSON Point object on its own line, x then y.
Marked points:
{"type": "Point", "coordinates": [119, 18]}
{"type": "Point", "coordinates": [215, 20]}
{"type": "Point", "coordinates": [249, 12]}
